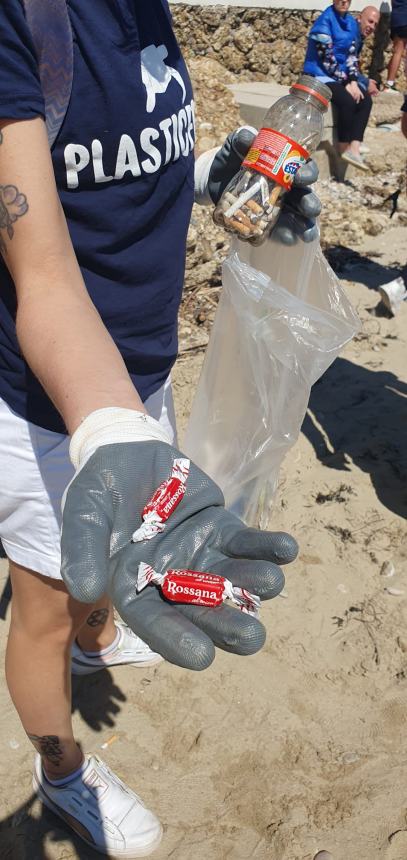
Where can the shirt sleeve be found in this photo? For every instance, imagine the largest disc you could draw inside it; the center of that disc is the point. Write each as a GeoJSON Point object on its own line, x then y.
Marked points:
{"type": "Point", "coordinates": [325, 51]}
{"type": "Point", "coordinates": [321, 25]}
{"type": "Point", "coordinates": [20, 87]}
{"type": "Point", "coordinates": [352, 64]}
{"type": "Point", "coordinates": [363, 82]}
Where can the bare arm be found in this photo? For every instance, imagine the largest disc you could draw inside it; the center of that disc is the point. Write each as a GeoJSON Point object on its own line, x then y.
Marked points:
{"type": "Point", "coordinates": [60, 332]}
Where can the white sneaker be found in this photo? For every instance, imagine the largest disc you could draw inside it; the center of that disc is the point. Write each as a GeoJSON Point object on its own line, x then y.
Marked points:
{"type": "Point", "coordinates": [130, 649]}
{"type": "Point", "coordinates": [103, 811]}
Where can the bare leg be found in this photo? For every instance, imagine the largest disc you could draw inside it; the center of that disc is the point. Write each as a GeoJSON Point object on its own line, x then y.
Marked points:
{"type": "Point", "coordinates": [354, 147]}
{"type": "Point", "coordinates": [99, 629]}
{"type": "Point", "coordinates": [396, 57]}
{"type": "Point", "coordinates": [44, 623]}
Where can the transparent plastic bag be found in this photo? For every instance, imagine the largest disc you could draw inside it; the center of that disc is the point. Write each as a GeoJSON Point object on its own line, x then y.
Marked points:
{"type": "Point", "coordinates": [281, 321]}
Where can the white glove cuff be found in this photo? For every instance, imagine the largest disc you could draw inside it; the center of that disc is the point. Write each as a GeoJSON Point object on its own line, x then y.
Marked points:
{"type": "Point", "coordinates": [203, 165]}
{"type": "Point", "coordinates": [111, 425]}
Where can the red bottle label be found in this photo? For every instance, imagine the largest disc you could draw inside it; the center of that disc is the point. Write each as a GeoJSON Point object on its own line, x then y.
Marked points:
{"type": "Point", "coordinates": [276, 156]}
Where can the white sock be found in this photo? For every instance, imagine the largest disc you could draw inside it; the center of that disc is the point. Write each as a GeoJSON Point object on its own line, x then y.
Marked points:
{"type": "Point", "coordinates": [57, 783]}
{"type": "Point", "coordinates": [104, 651]}
{"type": "Point", "coordinates": [390, 83]}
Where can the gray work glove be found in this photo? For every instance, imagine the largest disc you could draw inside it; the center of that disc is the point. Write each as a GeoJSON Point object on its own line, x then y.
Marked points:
{"type": "Point", "coordinates": [300, 205]}
{"type": "Point", "coordinates": [102, 510]}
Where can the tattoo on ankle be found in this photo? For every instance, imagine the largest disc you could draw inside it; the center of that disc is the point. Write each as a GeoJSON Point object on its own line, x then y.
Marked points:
{"type": "Point", "coordinates": [49, 746]}
{"type": "Point", "coordinates": [97, 617]}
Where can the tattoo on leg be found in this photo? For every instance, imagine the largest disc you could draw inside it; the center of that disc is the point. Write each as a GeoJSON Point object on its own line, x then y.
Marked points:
{"type": "Point", "coordinates": [97, 617]}
{"type": "Point", "coordinates": [13, 205]}
{"type": "Point", "coordinates": [49, 746]}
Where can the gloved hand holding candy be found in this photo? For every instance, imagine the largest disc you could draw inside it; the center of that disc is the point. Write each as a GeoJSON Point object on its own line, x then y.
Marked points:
{"type": "Point", "coordinates": [134, 501]}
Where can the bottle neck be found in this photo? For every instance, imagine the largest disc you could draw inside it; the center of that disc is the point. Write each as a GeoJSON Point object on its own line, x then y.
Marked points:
{"type": "Point", "coordinates": [309, 98]}
{"type": "Point", "coordinates": [312, 90]}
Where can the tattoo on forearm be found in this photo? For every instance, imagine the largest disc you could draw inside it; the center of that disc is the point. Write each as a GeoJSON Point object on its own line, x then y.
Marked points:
{"type": "Point", "coordinates": [13, 205]}
{"type": "Point", "coordinates": [97, 617]}
{"type": "Point", "coordinates": [48, 746]}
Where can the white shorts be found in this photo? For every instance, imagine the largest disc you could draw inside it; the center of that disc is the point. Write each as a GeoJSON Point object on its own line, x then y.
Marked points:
{"type": "Point", "coordinates": [35, 469]}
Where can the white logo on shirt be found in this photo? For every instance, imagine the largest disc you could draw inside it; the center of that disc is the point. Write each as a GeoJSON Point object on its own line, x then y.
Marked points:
{"type": "Point", "coordinates": [152, 148]}
{"type": "Point", "coordinates": [156, 76]}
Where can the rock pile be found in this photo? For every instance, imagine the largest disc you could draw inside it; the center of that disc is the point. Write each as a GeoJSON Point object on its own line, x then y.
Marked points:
{"type": "Point", "coordinates": [254, 44]}
{"type": "Point", "coordinates": [352, 211]}
{"type": "Point", "coordinates": [258, 44]}
{"type": "Point", "coordinates": [386, 108]}
{"type": "Point", "coordinates": [216, 110]}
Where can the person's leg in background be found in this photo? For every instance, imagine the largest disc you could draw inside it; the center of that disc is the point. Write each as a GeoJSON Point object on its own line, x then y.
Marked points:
{"type": "Point", "coordinates": [399, 47]}
{"type": "Point", "coordinates": [345, 109]}
{"type": "Point", "coordinates": [352, 119]}
{"type": "Point", "coordinates": [360, 121]}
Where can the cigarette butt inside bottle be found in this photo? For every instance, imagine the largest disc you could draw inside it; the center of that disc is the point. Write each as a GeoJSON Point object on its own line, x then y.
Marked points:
{"type": "Point", "coordinates": [238, 226]}
{"type": "Point", "coordinates": [255, 207]}
{"type": "Point", "coordinates": [244, 219]}
{"type": "Point", "coordinates": [275, 193]}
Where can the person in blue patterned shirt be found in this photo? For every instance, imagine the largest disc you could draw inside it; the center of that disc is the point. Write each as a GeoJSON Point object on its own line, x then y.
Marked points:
{"type": "Point", "coordinates": [334, 45]}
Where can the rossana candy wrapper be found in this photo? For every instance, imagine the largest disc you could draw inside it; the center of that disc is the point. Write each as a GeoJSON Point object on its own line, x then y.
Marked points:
{"type": "Point", "coordinates": [199, 588]}
{"type": "Point", "coordinates": [164, 502]}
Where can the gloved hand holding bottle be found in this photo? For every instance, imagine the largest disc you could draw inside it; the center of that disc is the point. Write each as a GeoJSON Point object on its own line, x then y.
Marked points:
{"type": "Point", "coordinates": [247, 178]}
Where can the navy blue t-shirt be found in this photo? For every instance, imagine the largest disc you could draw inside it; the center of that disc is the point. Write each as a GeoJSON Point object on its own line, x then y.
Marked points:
{"type": "Point", "coordinates": [123, 163]}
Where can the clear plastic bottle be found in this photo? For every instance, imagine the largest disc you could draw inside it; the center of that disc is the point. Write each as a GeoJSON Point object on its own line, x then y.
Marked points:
{"type": "Point", "coordinates": [292, 128]}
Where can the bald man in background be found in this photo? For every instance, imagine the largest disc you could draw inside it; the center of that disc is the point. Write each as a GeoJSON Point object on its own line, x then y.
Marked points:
{"type": "Point", "coordinates": [368, 21]}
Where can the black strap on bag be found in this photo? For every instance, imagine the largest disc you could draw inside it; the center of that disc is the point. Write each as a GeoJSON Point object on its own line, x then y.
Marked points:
{"type": "Point", "coordinates": [51, 32]}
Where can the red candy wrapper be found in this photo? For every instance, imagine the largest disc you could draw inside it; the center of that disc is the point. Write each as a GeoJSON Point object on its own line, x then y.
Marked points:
{"type": "Point", "coordinates": [164, 501]}
{"type": "Point", "coordinates": [201, 589]}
